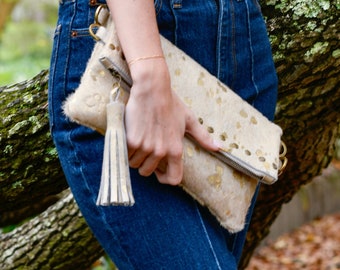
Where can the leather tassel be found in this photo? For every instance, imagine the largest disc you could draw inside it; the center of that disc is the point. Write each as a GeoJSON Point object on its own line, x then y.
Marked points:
{"type": "Point", "coordinates": [115, 185]}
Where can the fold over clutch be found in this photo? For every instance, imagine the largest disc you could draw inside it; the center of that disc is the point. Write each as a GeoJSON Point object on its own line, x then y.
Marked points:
{"type": "Point", "coordinates": [223, 181]}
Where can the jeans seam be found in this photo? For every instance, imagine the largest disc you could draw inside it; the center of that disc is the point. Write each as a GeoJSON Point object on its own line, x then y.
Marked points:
{"type": "Point", "coordinates": [233, 43]}
{"type": "Point", "coordinates": [207, 236]}
{"type": "Point", "coordinates": [67, 58]}
{"type": "Point", "coordinates": [219, 38]}
{"type": "Point", "coordinates": [176, 22]}
{"type": "Point", "coordinates": [251, 52]}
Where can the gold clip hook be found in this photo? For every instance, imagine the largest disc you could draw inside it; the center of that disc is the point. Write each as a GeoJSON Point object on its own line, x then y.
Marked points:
{"type": "Point", "coordinates": [93, 35]}
{"type": "Point", "coordinates": [283, 158]}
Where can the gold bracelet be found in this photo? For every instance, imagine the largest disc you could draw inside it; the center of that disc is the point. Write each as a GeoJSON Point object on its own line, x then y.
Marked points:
{"type": "Point", "coordinates": [144, 58]}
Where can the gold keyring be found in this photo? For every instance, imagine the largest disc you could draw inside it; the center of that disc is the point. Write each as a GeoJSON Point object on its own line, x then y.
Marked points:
{"type": "Point", "coordinates": [284, 150]}
{"type": "Point", "coordinates": [96, 15]}
{"type": "Point", "coordinates": [284, 163]}
{"type": "Point", "coordinates": [283, 158]}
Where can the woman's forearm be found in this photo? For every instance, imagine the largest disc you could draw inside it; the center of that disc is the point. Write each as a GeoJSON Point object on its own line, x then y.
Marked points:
{"type": "Point", "coordinates": [137, 29]}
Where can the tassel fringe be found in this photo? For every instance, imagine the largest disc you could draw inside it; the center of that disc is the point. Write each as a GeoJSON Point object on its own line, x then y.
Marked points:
{"type": "Point", "coordinates": [115, 185]}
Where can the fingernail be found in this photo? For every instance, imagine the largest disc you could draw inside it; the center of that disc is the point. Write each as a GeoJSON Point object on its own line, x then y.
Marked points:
{"type": "Point", "coordinates": [218, 144]}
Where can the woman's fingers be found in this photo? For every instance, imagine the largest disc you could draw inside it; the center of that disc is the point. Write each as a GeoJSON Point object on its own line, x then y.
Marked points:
{"type": "Point", "coordinates": [165, 161]}
{"type": "Point", "coordinates": [137, 159]}
{"type": "Point", "coordinates": [149, 164]}
{"type": "Point", "coordinates": [173, 172]}
{"type": "Point", "coordinates": [161, 150]}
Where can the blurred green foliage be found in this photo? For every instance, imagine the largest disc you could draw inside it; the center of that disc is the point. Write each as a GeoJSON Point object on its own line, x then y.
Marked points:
{"type": "Point", "coordinates": [25, 44]}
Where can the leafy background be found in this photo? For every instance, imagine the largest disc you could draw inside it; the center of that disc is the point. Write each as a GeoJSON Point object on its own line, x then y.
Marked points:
{"type": "Point", "coordinates": [26, 42]}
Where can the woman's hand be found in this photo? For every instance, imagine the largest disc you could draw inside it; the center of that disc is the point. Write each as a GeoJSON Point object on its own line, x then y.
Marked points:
{"type": "Point", "coordinates": [156, 121]}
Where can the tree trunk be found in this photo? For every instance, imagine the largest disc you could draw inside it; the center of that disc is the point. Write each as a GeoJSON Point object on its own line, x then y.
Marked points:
{"type": "Point", "coordinates": [58, 238]}
{"type": "Point", "coordinates": [305, 39]}
{"type": "Point", "coordinates": [29, 165]}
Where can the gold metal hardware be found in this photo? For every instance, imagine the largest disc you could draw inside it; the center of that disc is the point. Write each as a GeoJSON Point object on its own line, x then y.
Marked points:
{"type": "Point", "coordinates": [93, 35]}
{"type": "Point", "coordinates": [283, 158]}
{"type": "Point", "coordinates": [97, 23]}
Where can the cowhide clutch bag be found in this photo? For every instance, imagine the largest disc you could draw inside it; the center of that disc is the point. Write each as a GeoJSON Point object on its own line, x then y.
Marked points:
{"type": "Point", "coordinates": [224, 181]}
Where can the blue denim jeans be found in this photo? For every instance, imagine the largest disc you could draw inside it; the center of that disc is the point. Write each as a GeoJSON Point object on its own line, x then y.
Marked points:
{"type": "Point", "coordinates": [166, 228]}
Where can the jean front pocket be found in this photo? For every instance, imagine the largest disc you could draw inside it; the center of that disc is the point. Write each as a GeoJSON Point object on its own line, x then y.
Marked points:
{"type": "Point", "coordinates": [81, 46]}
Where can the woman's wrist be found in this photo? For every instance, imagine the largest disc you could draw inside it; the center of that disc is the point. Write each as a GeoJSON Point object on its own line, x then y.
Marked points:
{"type": "Point", "coordinates": [150, 73]}
{"type": "Point", "coordinates": [156, 56]}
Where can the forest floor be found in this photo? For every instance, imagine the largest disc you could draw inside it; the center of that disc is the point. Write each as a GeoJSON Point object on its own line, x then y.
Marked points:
{"type": "Point", "coordinates": [313, 246]}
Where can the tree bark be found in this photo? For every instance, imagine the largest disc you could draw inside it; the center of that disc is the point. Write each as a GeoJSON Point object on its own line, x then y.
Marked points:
{"type": "Point", "coordinates": [29, 165]}
{"type": "Point", "coordinates": [58, 238]}
{"type": "Point", "coordinates": [305, 40]}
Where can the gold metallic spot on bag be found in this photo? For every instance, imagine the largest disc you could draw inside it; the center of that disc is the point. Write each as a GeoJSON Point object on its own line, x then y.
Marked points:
{"type": "Point", "coordinates": [223, 181]}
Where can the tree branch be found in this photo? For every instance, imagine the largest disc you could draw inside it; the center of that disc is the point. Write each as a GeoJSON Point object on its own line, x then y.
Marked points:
{"type": "Point", "coordinates": [58, 238]}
